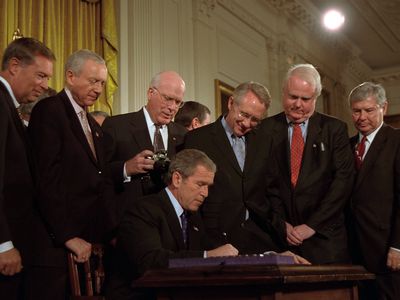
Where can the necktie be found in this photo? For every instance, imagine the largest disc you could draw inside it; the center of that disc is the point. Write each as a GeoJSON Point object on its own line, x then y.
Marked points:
{"type": "Point", "coordinates": [158, 141]}
{"type": "Point", "coordinates": [239, 148]}
{"type": "Point", "coordinates": [360, 150]}
{"type": "Point", "coordinates": [296, 153]}
{"type": "Point", "coordinates": [88, 134]}
{"type": "Point", "coordinates": [184, 222]}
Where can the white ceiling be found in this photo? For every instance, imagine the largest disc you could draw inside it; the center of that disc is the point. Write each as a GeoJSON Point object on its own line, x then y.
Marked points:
{"type": "Point", "coordinates": [374, 27]}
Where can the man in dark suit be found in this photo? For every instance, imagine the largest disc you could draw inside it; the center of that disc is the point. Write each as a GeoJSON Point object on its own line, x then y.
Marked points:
{"type": "Point", "coordinates": [166, 225]}
{"type": "Point", "coordinates": [375, 202]}
{"type": "Point", "coordinates": [314, 170]}
{"type": "Point", "coordinates": [68, 149]}
{"type": "Point", "coordinates": [27, 65]}
{"type": "Point", "coordinates": [236, 210]}
{"type": "Point", "coordinates": [130, 139]}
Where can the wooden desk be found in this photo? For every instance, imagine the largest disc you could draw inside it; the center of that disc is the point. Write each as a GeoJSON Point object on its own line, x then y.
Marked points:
{"type": "Point", "coordinates": [278, 282]}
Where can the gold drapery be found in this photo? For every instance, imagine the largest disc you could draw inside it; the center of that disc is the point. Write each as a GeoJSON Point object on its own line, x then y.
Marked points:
{"type": "Point", "coordinates": [66, 26]}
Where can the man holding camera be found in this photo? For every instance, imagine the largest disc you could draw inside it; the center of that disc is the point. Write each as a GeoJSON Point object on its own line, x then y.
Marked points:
{"type": "Point", "coordinates": [134, 141]}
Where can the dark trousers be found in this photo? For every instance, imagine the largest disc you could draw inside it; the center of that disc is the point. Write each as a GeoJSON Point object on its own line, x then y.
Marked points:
{"type": "Point", "coordinates": [11, 287]}
{"type": "Point", "coordinates": [385, 287]}
{"type": "Point", "coordinates": [47, 283]}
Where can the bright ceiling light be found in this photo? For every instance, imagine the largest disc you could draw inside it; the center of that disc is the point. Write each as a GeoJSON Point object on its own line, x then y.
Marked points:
{"type": "Point", "coordinates": [333, 19]}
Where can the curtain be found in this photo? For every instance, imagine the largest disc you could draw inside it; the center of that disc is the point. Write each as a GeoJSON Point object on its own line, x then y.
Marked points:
{"type": "Point", "coordinates": [66, 26]}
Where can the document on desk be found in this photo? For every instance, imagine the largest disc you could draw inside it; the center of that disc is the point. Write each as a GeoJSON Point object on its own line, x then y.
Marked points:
{"type": "Point", "coordinates": [259, 259]}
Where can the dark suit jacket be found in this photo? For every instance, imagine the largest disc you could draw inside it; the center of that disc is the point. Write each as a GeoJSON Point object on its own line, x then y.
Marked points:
{"type": "Point", "coordinates": [323, 188]}
{"type": "Point", "coordinates": [375, 201]}
{"type": "Point", "coordinates": [149, 235]}
{"type": "Point", "coordinates": [125, 136]}
{"type": "Point", "coordinates": [16, 181]}
{"type": "Point", "coordinates": [233, 191]}
{"type": "Point", "coordinates": [71, 182]}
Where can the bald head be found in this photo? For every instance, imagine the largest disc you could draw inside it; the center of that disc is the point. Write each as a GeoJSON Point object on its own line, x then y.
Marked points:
{"type": "Point", "coordinates": [165, 96]}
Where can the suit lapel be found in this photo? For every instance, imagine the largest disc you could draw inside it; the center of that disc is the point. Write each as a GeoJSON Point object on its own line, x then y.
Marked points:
{"type": "Point", "coordinates": [313, 143]}
{"type": "Point", "coordinates": [97, 136]}
{"type": "Point", "coordinates": [221, 141]}
{"type": "Point", "coordinates": [171, 139]}
{"type": "Point", "coordinates": [172, 219]}
{"type": "Point", "coordinates": [14, 113]}
{"type": "Point", "coordinates": [194, 231]}
{"type": "Point", "coordinates": [76, 126]}
{"type": "Point", "coordinates": [140, 132]}
{"type": "Point", "coordinates": [281, 147]}
{"type": "Point", "coordinates": [251, 150]}
{"type": "Point", "coordinates": [373, 152]}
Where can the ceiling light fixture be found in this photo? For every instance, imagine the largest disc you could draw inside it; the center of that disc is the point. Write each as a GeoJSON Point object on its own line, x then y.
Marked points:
{"type": "Point", "coordinates": [333, 19]}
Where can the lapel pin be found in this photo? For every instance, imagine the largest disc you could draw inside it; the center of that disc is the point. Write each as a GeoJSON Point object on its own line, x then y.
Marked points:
{"type": "Point", "coordinates": [314, 146]}
{"type": "Point", "coordinates": [322, 147]}
{"type": "Point", "coordinates": [97, 134]}
{"type": "Point", "coordinates": [195, 228]}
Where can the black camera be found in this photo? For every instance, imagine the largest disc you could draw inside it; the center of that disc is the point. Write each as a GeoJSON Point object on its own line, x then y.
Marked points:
{"type": "Point", "coordinates": [161, 161]}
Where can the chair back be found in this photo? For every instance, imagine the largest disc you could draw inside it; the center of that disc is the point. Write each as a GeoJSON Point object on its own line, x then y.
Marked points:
{"type": "Point", "coordinates": [87, 281]}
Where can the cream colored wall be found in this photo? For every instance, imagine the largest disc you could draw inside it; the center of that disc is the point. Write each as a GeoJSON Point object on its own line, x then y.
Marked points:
{"type": "Point", "coordinates": [234, 41]}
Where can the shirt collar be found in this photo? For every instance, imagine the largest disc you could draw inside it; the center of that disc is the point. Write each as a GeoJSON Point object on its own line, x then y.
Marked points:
{"type": "Point", "coordinates": [178, 208]}
{"type": "Point", "coordinates": [302, 124]}
{"type": "Point", "coordinates": [75, 105]}
{"type": "Point", "coordinates": [371, 136]}
{"type": "Point", "coordinates": [227, 128]}
{"type": "Point", "coordinates": [149, 121]}
{"type": "Point", "coordinates": [10, 91]}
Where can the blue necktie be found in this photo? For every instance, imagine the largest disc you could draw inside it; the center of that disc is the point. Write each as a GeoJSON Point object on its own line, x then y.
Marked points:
{"type": "Point", "coordinates": [184, 222]}
{"type": "Point", "coordinates": [239, 147]}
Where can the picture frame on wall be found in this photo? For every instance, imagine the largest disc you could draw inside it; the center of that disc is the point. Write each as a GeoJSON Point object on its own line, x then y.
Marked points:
{"type": "Point", "coordinates": [222, 93]}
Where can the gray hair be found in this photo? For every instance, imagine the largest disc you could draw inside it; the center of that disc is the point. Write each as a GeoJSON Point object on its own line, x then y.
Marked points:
{"type": "Point", "coordinates": [186, 161]}
{"type": "Point", "coordinates": [306, 72]}
{"type": "Point", "coordinates": [256, 88]}
{"type": "Point", "coordinates": [25, 49]}
{"type": "Point", "coordinates": [77, 59]}
{"type": "Point", "coordinates": [368, 89]}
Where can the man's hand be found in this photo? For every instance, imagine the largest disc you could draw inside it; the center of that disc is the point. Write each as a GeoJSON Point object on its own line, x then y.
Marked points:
{"type": "Point", "coordinates": [140, 163]}
{"type": "Point", "coordinates": [225, 250]}
{"type": "Point", "coordinates": [393, 260]}
{"type": "Point", "coordinates": [297, 258]}
{"type": "Point", "coordinates": [80, 248]}
{"type": "Point", "coordinates": [304, 231]}
{"type": "Point", "coordinates": [293, 237]}
{"type": "Point", "coordinates": [10, 262]}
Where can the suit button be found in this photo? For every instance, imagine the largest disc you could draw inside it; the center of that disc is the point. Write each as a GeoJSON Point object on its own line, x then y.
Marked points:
{"type": "Point", "coordinates": [242, 224]}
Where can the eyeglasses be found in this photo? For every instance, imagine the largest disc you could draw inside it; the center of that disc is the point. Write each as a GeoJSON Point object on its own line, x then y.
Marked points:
{"type": "Point", "coordinates": [254, 122]}
{"type": "Point", "coordinates": [170, 100]}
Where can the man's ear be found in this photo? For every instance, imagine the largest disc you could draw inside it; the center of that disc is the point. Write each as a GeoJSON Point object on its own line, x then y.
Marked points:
{"type": "Point", "coordinates": [69, 75]}
{"type": "Point", "coordinates": [230, 102]}
{"type": "Point", "coordinates": [150, 91]}
{"type": "Point", "coordinates": [176, 179]}
{"type": "Point", "coordinates": [195, 123]}
{"type": "Point", "coordinates": [13, 65]}
{"type": "Point", "coordinates": [384, 107]}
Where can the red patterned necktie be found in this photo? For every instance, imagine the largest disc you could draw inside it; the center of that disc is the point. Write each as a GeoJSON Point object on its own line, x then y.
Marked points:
{"type": "Point", "coordinates": [360, 150]}
{"type": "Point", "coordinates": [296, 153]}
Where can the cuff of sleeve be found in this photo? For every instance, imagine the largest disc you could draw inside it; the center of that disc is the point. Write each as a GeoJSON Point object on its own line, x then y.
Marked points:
{"type": "Point", "coordinates": [205, 254]}
{"type": "Point", "coordinates": [395, 249]}
{"type": "Point", "coordinates": [6, 246]}
{"type": "Point", "coordinates": [126, 177]}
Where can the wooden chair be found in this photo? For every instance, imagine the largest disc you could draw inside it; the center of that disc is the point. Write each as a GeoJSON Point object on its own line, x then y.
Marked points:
{"type": "Point", "coordinates": [92, 279]}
